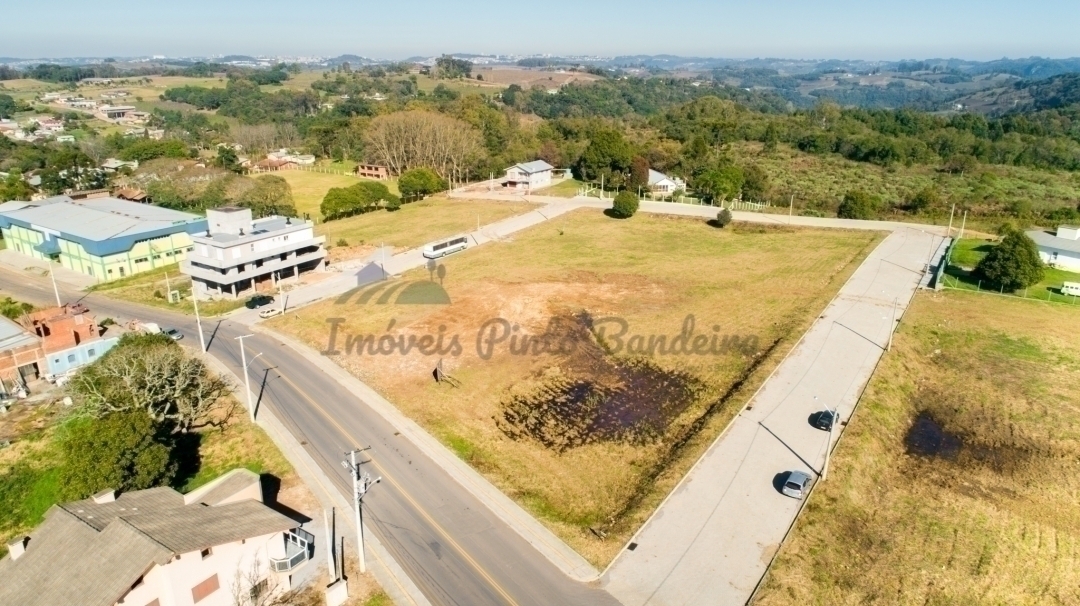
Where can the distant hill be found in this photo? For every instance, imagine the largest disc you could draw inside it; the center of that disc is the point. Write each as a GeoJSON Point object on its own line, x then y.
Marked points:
{"type": "Point", "coordinates": [1026, 95]}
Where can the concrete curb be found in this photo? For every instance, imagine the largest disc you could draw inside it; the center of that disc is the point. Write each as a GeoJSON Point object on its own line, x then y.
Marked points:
{"type": "Point", "coordinates": [393, 579]}
{"type": "Point", "coordinates": [536, 534]}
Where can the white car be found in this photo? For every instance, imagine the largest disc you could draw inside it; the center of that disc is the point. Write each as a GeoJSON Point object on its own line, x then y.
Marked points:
{"type": "Point", "coordinates": [270, 313]}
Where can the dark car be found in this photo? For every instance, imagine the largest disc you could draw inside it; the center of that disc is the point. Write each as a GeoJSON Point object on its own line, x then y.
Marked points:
{"type": "Point", "coordinates": [258, 301]}
{"type": "Point", "coordinates": [824, 420]}
{"type": "Point", "coordinates": [796, 484]}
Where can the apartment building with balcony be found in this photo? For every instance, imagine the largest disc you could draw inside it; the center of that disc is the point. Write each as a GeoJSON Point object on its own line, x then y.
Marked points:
{"type": "Point", "coordinates": [158, 547]}
{"type": "Point", "coordinates": [239, 256]}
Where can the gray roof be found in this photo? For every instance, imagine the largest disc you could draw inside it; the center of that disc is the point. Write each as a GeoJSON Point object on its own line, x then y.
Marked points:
{"type": "Point", "coordinates": [1048, 240]}
{"type": "Point", "coordinates": [536, 166]}
{"type": "Point", "coordinates": [103, 548]}
{"type": "Point", "coordinates": [13, 336]}
{"type": "Point", "coordinates": [656, 176]}
{"type": "Point", "coordinates": [267, 227]}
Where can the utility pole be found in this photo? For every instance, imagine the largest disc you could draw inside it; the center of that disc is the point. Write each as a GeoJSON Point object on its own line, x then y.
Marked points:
{"type": "Point", "coordinates": [247, 381]}
{"type": "Point", "coordinates": [828, 445]}
{"type": "Point", "coordinates": [198, 320]}
{"type": "Point", "coordinates": [331, 565]}
{"type": "Point", "coordinates": [168, 288]}
{"type": "Point", "coordinates": [892, 325]}
{"type": "Point", "coordinates": [56, 291]}
{"type": "Point", "coordinates": [962, 224]}
{"type": "Point", "coordinates": [791, 208]}
{"type": "Point", "coordinates": [949, 233]}
{"type": "Point", "coordinates": [361, 483]}
{"type": "Point", "coordinates": [281, 293]}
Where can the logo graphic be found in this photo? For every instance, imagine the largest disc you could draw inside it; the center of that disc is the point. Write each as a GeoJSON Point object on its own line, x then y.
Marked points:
{"type": "Point", "coordinates": [376, 289]}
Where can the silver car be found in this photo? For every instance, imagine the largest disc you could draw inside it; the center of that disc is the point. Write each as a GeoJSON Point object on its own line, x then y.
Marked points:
{"type": "Point", "coordinates": [796, 484]}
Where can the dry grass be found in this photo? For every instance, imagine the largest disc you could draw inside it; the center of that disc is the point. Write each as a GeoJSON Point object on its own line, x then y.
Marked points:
{"type": "Point", "coordinates": [151, 288]}
{"type": "Point", "coordinates": [605, 471]}
{"type": "Point", "coordinates": [309, 188]}
{"type": "Point", "coordinates": [996, 519]}
{"type": "Point", "coordinates": [414, 225]}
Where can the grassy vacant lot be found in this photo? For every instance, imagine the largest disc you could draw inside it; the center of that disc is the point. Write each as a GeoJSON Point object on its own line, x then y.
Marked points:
{"type": "Point", "coordinates": [588, 436]}
{"type": "Point", "coordinates": [969, 251]}
{"type": "Point", "coordinates": [309, 187]}
{"type": "Point", "coordinates": [415, 224]}
{"type": "Point", "coordinates": [977, 504]}
{"type": "Point", "coordinates": [151, 288]}
{"type": "Point", "coordinates": [567, 188]}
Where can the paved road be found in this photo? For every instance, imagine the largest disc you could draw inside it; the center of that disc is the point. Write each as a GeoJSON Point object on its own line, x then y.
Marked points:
{"type": "Point", "coordinates": [452, 547]}
{"type": "Point", "coordinates": [713, 538]}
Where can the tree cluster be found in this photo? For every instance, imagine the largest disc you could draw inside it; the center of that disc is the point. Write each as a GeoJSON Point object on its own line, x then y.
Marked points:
{"type": "Point", "coordinates": [365, 196]}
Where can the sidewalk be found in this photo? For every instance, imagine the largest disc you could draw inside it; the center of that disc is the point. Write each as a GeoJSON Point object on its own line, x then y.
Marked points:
{"type": "Point", "coordinates": [21, 263]}
{"type": "Point", "coordinates": [713, 538]}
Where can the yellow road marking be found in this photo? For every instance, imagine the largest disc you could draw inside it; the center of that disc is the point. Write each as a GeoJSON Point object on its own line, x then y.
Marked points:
{"type": "Point", "coordinates": [409, 498]}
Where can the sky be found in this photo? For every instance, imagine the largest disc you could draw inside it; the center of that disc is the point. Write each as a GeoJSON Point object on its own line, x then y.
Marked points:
{"type": "Point", "coordinates": [396, 29]}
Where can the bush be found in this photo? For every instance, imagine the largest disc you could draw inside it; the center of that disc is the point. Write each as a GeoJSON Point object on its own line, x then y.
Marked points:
{"type": "Point", "coordinates": [393, 205]}
{"type": "Point", "coordinates": [1013, 264]}
{"type": "Point", "coordinates": [341, 242]}
{"type": "Point", "coordinates": [416, 183]}
{"type": "Point", "coordinates": [125, 451]}
{"type": "Point", "coordinates": [363, 197]}
{"type": "Point", "coordinates": [723, 218]}
{"type": "Point", "coordinates": [626, 204]}
{"type": "Point", "coordinates": [858, 205]}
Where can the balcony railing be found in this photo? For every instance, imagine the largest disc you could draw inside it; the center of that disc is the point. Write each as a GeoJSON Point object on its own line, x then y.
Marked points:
{"type": "Point", "coordinates": [297, 544]}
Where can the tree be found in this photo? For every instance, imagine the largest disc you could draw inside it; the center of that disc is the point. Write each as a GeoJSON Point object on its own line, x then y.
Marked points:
{"type": "Point", "coordinates": [417, 183]}
{"type": "Point", "coordinates": [227, 159]}
{"type": "Point", "coordinates": [639, 173]}
{"type": "Point", "coordinates": [412, 139]}
{"type": "Point", "coordinates": [625, 205]}
{"type": "Point", "coordinates": [449, 67]}
{"type": "Point", "coordinates": [152, 375]}
{"type": "Point", "coordinates": [7, 106]}
{"type": "Point", "coordinates": [124, 451]}
{"type": "Point", "coordinates": [13, 310]}
{"type": "Point", "coordinates": [608, 155]}
{"type": "Point", "coordinates": [857, 204]}
{"type": "Point", "coordinates": [1013, 264]}
{"type": "Point", "coordinates": [14, 187]}
{"type": "Point", "coordinates": [755, 183]}
{"type": "Point", "coordinates": [363, 197]}
{"type": "Point", "coordinates": [723, 218]}
{"type": "Point", "coordinates": [719, 183]}
{"type": "Point", "coordinates": [271, 195]}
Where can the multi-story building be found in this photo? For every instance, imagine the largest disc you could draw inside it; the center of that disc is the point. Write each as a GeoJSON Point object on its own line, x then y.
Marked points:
{"type": "Point", "coordinates": [240, 256]}
{"type": "Point", "coordinates": [215, 546]}
{"type": "Point", "coordinates": [106, 238]}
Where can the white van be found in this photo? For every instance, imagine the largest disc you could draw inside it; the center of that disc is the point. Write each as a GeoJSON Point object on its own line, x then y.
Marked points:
{"type": "Point", "coordinates": [445, 247]}
{"type": "Point", "coordinates": [1071, 288]}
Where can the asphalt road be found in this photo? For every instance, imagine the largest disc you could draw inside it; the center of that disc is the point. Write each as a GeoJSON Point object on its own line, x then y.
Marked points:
{"type": "Point", "coordinates": [453, 548]}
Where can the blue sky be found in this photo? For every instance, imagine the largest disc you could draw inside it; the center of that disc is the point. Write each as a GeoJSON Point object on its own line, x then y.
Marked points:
{"type": "Point", "coordinates": [847, 29]}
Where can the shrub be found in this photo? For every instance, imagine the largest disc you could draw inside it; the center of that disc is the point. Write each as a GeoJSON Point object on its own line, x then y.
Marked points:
{"type": "Point", "coordinates": [341, 242]}
{"type": "Point", "coordinates": [393, 205]}
{"type": "Point", "coordinates": [125, 451]}
{"type": "Point", "coordinates": [626, 204]}
{"type": "Point", "coordinates": [857, 204]}
{"type": "Point", "coordinates": [723, 218]}
{"type": "Point", "coordinates": [1013, 264]}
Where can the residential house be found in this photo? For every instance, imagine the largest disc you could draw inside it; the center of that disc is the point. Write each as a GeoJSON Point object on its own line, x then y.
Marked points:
{"type": "Point", "coordinates": [659, 183]}
{"type": "Point", "coordinates": [238, 256]}
{"type": "Point", "coordinates": [70, 337]}
{"type": "Point", "coordinates": [115, 112]}
{"type": "Point", "coordinates": [112, 164]}
{"type": "Point", "coordinates": [158, 547]}
{"type": "Point", "coordinates": [287, 156]}
{"type": "Point", "coordinates": [528, 175]}
{"type": "Point", "coordinates": [65, 138]}
{"type": "Point", "coordinates": [1059, 249]}
{"type": "Point", "coordinates": [103, 237]}
{"type": "Point", "coordinates": [372, 171]}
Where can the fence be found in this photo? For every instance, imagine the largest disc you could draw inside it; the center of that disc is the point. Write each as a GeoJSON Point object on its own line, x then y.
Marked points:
{"type": "Point", "coordinates": [955, 283]}
{"type": "Point", "coordinates": [748, 206]}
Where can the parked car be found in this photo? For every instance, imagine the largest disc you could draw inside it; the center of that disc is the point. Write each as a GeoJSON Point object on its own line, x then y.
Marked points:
{"type": "Point", "coordinates": [270, 313]}
{"type": "Point", "coordinates": [796, 484]}
{"type": "Point", "coordinates": [173, 334]}
{"type": "Point", "coordinates": [824, 420]}
{"type": "Point", "coordinates": [258, 301]}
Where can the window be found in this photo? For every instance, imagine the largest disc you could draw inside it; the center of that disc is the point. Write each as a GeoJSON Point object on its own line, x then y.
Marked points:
{"type": "Point", "coordinates": [110, 271]}
{"type": "Point", "coordinates": [204, 589]}
{"type": "Point", "coordinates": [91, 353]}
{"type": "Point", "coordinates": [206, 553]}
{"type": "Point", "coordinates": [142, 260]}
{"type": "Point", "coordinates": [71, 358]}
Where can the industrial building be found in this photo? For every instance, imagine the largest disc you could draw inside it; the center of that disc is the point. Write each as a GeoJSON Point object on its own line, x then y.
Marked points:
{"type": "Point", "coordinates": [106, 238]}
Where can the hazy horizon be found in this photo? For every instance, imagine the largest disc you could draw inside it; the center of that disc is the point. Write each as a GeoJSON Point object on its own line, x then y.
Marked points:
{"type": "Point", "coordinates": [837, 29]}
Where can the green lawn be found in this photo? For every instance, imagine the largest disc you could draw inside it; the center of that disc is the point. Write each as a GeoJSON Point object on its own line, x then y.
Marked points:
{"type": "Point", "coordinates": [565, 189]}
{"type": "Point", "coordinates": [310, 187]}
{"type": "Point", "coordinates": [966, 255]}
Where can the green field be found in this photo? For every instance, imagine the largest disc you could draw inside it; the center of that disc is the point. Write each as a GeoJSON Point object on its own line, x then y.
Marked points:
{"type": "Point", "coordinates": [309, 187]}
{"type": "Point", "coordinates": [567, 188]}
{"type": "Point", "coordinates": [966, 255]}
{"type": "Point", "coordinates": [951, 484]}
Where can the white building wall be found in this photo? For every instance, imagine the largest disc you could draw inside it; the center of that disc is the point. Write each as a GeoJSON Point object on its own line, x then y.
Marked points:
{"type": "Point", "coordinates": [1062, 259]}
{"type": "Point", "coordinates": [171, 584]}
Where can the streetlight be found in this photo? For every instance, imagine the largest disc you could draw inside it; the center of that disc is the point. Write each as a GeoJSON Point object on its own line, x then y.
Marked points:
{"type": "Point", "coordinates": [56, 291]}
{"type": "Point", "coordinates": [247, 382]}
{"type": "Point", "coordinates": [361, 482]}
{"type": "Point", "coordinates": [198, 320]}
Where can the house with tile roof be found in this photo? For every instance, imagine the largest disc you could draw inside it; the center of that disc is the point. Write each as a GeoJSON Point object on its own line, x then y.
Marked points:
{"type": "Point", "coordinates": [157, 547]}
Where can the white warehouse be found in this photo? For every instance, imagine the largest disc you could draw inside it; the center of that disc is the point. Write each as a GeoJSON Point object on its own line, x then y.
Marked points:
{"type": "Point", "coordinates": [239, 256]}
{"type": "Point", "coordinates": [1060, 250]}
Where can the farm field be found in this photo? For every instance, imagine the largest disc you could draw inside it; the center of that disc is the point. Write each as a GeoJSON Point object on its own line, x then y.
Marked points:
{"type": "Point", "coordinates": [950, 485]}
{"type": "Point", "coordinates": [416, 223]}
{"type": "Point", "coordinates": [580, 424]}
{"type": "Point", "coordinates": [309, 187]}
